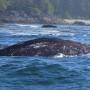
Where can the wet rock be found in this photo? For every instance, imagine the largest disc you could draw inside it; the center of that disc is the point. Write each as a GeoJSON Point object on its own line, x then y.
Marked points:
{"type": "Point", "coordinates": [79, 23]}
{"type": "Point", "coordinates": [49, 26]}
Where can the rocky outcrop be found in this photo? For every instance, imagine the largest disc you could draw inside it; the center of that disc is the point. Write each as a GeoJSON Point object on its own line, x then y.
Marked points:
{"type": "Point", "coordinates": [79, 23]}
{"type": "Point", "coordinates": [49, 26]}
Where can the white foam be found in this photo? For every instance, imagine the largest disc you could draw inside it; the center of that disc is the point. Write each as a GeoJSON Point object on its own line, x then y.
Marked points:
{"type": "Point", "coordinates": [87, 55]}
{"type": "Point", "coordinates": [28, 25]}
{"type": "Point", "coordinates": [22, 24]}
{"type": "Point", "coordinates": [34, 26]}
{"type": "Point", "coordinates": [19, 33]}
{"type": "Point", "coordinates": [60, 55]}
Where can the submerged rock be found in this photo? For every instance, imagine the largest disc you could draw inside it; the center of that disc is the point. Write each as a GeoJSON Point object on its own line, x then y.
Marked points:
{"type": "Point", "coordinates": [46, 47]}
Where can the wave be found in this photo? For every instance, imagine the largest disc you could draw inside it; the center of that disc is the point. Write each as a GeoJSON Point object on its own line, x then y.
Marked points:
{"type": "Point", "coordinates": [61, 55]}
{"type": "Point", "coordinates": [29, 25]}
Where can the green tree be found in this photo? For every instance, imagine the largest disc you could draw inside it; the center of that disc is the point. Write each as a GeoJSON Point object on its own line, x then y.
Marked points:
{"type": "Point", "coordinates": [49, 6]}
{"type": "Point", "coordinates": [3, 4]}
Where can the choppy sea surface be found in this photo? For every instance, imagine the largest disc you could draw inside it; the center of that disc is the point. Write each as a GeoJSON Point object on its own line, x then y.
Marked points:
{"type": "Point", "coordinates": [44, 73]}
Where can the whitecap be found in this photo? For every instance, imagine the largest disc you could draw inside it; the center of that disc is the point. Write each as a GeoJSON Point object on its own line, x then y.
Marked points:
{"type": "Point", "coordinates": [87, 55]}
{"type": "Point", "coordinates": [59, 55]}
{"type": "Point", "coordinates": [34, 26]}
{"type": "Point", "coordinates": [22, 24]}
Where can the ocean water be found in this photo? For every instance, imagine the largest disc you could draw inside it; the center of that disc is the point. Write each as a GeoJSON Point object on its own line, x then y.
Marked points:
{"type": "Point", "coordinates": [44, 73]}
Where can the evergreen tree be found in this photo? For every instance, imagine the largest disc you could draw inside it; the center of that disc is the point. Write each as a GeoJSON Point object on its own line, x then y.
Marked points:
{"type": "Point", "coordinates": [3, 4]}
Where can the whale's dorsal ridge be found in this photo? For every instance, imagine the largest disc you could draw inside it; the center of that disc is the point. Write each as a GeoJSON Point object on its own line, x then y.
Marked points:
{"type": "Point", "coordinates": [46, 47]}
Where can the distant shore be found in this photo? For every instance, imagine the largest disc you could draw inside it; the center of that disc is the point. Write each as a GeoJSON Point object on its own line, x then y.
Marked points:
{"type": "Point", "coordinates": [71, 21]}
{"type": "Point", "coordinates": [44, 20]}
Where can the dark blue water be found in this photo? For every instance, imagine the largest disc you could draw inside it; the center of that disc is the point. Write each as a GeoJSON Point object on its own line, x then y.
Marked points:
{"type": "Point", "coordinates": [44, 73]}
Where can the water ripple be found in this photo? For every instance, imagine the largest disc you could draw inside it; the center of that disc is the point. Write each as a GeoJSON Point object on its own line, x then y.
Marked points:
{"type": "Point", "coordinates": [44, 73]}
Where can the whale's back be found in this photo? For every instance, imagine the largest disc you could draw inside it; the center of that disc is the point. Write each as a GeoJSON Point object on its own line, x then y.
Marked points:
{"type": "Point", "coordinates": [46, 47]}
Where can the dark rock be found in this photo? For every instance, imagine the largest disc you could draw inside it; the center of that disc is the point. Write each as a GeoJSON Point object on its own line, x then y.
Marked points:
{"type": "Point", "coordinates": [79, 23]}
{"type": "Point", "coordinates": [49, 26]}
{"type": "Point", "coordinates": [46, 47]}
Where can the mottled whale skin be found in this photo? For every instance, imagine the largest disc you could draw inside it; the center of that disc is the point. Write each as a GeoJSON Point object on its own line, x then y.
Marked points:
{"type": "Point", "coordinates": [46, 47]}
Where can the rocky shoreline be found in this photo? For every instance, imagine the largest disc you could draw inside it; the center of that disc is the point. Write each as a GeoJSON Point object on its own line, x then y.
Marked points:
{"type": "Point", "coordinates": [42, 20]}
{"type": "Point", "coordinates": [31, 20]}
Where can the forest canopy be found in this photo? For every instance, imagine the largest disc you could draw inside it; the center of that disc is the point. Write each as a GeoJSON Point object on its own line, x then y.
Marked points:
{"type": "Point", "coordinates": [54, 8]}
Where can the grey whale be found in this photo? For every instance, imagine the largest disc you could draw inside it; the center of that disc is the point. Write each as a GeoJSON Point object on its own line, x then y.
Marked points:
{"type": "Point", "coordinates": [46, 47]}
